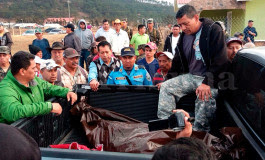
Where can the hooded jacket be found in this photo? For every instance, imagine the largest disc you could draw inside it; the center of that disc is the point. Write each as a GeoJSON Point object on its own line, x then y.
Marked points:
{"type": "Point", "coordinates": [168, 43]}
{"type": "Point", "coordinates": [18, 101]}
{"type": "Point", "coordinates": [213, 50]}
{"type": "Point", "coordinates": [86, 35]}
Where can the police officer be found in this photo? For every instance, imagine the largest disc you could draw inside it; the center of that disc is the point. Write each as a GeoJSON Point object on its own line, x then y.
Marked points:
{"type": "Point", "coordinates": [129, 73]}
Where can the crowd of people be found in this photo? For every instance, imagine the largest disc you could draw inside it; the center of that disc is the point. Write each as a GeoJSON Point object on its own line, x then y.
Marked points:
{"type": "Point", "coordinates": [195, 52]}
{"type": "Point", "coordinates": [117, 56]}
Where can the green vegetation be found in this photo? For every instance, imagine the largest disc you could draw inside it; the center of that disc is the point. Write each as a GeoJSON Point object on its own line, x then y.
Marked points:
{"type": "Point", "coordinates": [92, 10]}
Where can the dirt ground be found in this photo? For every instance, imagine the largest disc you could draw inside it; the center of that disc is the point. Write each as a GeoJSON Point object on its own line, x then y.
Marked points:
{"type": "Point", "coordinates": [21, 43]}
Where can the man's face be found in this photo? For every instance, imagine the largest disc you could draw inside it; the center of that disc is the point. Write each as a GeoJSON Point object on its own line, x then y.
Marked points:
{"type": "Point", "coordinates": [29, 73]}
{"type": "Point", "coordinates": [57, 55]}
{"type": "Point", "coordinates": [72, 62]}
{"type": "Point", "coordinates": [149, 53]}
{"type": "Point", "coordinates": [164, 63]}
{"type": "Point", "coordinates": [1, 29]}
{"type": "Point", "coordinates": [82, 25]}
{"type": "Point", "coordinates": [4, 58]}
{"type": "Point", "coordinates": [128, 62]}
{"type": "Point", "coordinates": [141, 51]}
{"type": "Point", "coordinates": [241, 37]}
{"type": "Point", "coordinates": [176, 31]}
{"type": "Point", "coordinates": [124, 24]}
{"type": "Point", "coordinates": [106, 25]}
{"type": "Point", "coordinates": [150, 25]}
{"type": "Point", "coordinates": [68, 30]}
{"type": "Point", "coordinates": [39, 54]}
{"type": "Point", "coordinates": [189, 25]}
{"type": "Point", "coordinates": [39, 35]}
{"type": "Point", "coordinates": [142, 30]}
{"type": "Point", "coordinates": [105, 53]}
{"type": "Point", "coordinates": [49, 75]}
{"type": "Point", "coordinates": [117, 26]}
{"type": "Point", "coordinates": [232, 49]}
{"type": "Point", "coordinates": [250, 24]}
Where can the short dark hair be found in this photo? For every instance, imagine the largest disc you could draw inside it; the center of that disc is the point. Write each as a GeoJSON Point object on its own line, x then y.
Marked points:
{"type": "Point", "coordinates": [21, 59]}
{"type": "Point", "coordinates": [250, 21]}
{"type": "Point", "coordinates": [140, 26]}
{"type": "Point", "coordinates": [105, 20]}
{"type": "Point", "coordinates": [103, 44]}
{"type": "Point", "coordinates": [176, 25]}
{"type": "Point", "coordinates": [237, 34]}
{"type": "Point", "coordinates": [184, 148]}
{"type": "Point", "coordinates": [100, 39]}
{"type": "Point", "coordinates": [187, 10]}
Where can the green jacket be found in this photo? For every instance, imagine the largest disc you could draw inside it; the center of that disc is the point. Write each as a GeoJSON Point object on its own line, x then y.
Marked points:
{"type": "Point", "coordinates": [18, 101]}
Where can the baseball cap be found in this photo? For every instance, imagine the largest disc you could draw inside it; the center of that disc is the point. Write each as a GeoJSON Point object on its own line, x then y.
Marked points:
{"type": "Point", "coordinates": [151, 45]}
{"type": "Point", "coordinates": [168, 54]}
{"type": "Point", "coordinates": [69, 25]}
{"type": "Point", "coordinates": [124, 19]}
{"type": "Point", "coordinates": [38, 30]}
{"type": "Point", "coordinates": [4, 49]}
{"type": "Point", "coordinates": [233, 39]}
{"type": "Point", "coordinates": [56, 45]}
{"type": "Point", "coordinates": [127, 51]}
{"type": "Point", "coordinates": [117, 21]}
{"type": "Point", "coordinates": [48, 64]}
{"type": "Point", "coordinates": [150, 20]}
{"type": "Point", "coordinates": [70, 53]}
{"type": "Point", "coordinates": [38, 60]}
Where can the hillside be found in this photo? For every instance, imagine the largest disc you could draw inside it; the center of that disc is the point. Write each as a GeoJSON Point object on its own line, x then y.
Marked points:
{"type": "Point", "coordinates": [92, 10]}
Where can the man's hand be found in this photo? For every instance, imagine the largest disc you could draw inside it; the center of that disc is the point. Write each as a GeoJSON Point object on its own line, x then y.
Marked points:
{"type": "Point", "coordinates": [71, 96]}
{"type": "Point", "coordinates": [204, 91]}
{"type": "Point", "coordinates": [159, 85]}
{"type": "Point", "coordinates": [94, 84]}
{"type": "Point", "coordinates": [187, 131]}
{"type": "Point", "coordinates": [56, 108]}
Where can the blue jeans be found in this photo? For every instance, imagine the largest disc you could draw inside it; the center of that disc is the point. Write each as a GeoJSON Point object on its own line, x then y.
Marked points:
{"type": "Point", "coordinates": [84, 54]}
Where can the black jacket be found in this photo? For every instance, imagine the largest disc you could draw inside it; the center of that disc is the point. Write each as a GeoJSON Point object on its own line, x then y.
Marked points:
{"type": "Point", "coordinates": [168, 43]}
{"type": "Point", "coordinates": [213, 49]}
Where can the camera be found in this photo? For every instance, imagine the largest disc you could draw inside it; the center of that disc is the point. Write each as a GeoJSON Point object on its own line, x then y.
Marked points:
{"type": "Point", "coordinates": [175, 121]}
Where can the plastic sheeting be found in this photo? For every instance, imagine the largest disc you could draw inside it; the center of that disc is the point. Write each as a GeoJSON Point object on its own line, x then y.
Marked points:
{"type": "Point", "coordinates": [119, 133]}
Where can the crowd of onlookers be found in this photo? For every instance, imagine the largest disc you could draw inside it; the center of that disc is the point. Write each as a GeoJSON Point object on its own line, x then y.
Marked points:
{"type": "Point", "coordinates": [193, 49]}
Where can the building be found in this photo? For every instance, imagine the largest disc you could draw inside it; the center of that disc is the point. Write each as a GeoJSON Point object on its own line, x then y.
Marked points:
{"type": "Point", "coordinates": [234, 13]}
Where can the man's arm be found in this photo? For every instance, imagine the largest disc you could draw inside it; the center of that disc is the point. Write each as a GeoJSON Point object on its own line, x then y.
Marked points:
{"type": "Point", "coordinates": [93, 73]}
{"type": "Point", "coordinates": [9, 40]}
{"type": "Point", "coordinates": [12, 109]}
{"type": "Point", "coordinates": [147, 79]}
{"type": "Point", "coordinates": [77, 44]}
{"type": "Point", "coordinates": [166, 46]}
{"type": "Point", "coordinates": [50, 90]}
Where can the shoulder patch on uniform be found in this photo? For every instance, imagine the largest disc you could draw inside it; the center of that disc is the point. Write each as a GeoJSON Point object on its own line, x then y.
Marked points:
{"type": "Point", "coordinates": [139, 76]}
{"type": "Point", "coordinates": [148, 77]}
{"type": "Point", "coordinates": [141, 67]}
{"type": "Point", "coordinates": [120, 78]}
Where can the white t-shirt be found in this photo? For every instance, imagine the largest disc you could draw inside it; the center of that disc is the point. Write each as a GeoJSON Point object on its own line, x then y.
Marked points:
{"type": "Point", "coordinates": [174, 43]}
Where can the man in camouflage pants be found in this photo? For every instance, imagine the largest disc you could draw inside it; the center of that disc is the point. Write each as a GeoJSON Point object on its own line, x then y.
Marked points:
{"type": "Point", "coordinates": [200, 57]}
{"type": "Point", "coordinates": [172, 90]}
{"type": "Point", "coordinates": [153, 33]}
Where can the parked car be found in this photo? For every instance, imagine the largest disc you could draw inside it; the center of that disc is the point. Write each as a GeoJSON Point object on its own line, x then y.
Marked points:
{"type": "Point", "coordinates": [56, 31]}
{"type": "Point", "coordinates": [29, 32]}
{"type": "Point", "coordinates": [48, 30]}
{"type": "Point", "coordinates": [242, 107]}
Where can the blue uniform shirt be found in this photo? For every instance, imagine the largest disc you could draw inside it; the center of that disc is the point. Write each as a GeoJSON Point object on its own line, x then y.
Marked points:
{"type": "Point", "coordinates": [138, 76]}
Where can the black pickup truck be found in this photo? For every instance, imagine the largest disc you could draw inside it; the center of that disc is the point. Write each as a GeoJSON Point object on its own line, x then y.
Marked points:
{"type": "Point", "coordinates": [243, 108]}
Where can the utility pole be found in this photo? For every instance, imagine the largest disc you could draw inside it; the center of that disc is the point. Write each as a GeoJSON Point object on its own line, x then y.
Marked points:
{"type": "Point", "coordinates": [68, 1]}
